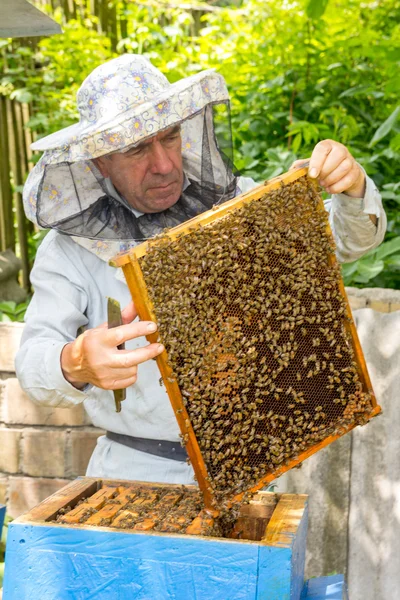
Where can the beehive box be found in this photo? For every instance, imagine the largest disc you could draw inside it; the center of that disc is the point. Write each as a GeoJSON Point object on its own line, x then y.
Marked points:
{"type": "Point", "coordinates": [332, 587]}
{"type": "Point", "coordinates": [262, 362]}
{"type": "Point", "coordinates": [59, 550]}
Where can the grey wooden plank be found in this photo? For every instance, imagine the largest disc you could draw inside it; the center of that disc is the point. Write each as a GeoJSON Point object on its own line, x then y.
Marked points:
{"type": "Point", "coordinates": [325, 477]}
{"type": "Point", "coordinates": [374, 525]}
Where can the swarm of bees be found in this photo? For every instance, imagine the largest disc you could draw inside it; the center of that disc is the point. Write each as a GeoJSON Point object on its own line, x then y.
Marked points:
{"type": "Point", "coordinates": [140, 508]}
{"type": "Point", "coordinates": [250, 311]}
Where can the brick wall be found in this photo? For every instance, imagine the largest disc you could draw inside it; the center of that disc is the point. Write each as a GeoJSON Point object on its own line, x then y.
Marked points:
{"type": "Point", "coordinates": [379, 299]}
{"type": "Point", "coordinates": [42, 448]}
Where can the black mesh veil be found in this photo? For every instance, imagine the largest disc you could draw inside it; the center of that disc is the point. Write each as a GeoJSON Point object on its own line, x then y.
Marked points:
{"type": "Point", "coordinates": [92, 208]}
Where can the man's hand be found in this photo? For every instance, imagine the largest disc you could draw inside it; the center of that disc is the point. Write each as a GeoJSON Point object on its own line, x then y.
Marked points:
{"type": "Point", "coordinates": [336, 169]}
{"type": "Point", "coordinates": [94, 357]}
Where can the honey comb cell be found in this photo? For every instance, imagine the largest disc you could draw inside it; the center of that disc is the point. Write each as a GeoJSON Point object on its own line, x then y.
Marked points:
{"type": "Point", "coordinates": [140, 508]}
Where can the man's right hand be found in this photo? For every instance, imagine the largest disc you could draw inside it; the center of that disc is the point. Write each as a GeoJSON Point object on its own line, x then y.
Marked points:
{"type": "Point", "coordinates": [94, 357]}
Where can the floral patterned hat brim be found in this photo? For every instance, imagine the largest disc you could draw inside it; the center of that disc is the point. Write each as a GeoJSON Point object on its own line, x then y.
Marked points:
{"type": "Point", "coordinates": [180, 101]}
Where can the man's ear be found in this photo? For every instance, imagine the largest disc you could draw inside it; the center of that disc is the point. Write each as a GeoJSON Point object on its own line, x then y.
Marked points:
{"type": "Point", "coordinates": [101, 164]}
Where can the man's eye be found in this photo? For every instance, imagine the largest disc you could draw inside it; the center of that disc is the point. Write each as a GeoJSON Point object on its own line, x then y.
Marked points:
{"type": "Point", "coordinates": [134, 151]}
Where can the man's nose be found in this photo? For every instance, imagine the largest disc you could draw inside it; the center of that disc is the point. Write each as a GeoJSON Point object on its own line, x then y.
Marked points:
{"type": "Point", "coordinates": [160, 160]}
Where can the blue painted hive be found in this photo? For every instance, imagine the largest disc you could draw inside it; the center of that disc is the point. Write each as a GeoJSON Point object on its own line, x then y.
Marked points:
{"type": "Point", "coordinates": [121, 540]}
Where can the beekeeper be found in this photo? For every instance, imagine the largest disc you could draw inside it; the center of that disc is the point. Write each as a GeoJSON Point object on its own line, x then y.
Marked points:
{"type": "Point", "coordinates": [145, 155]}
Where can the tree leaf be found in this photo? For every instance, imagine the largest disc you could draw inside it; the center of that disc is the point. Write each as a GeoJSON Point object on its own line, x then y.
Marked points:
{"type": "Point", "coordinates": [385, 128]}
{"type": "Point", "coordinates": [395, 143]}
{"type": "Point", "coordinates": [173, 31]}
{"type": "Point", "coordinates": [296, 142]}
{"type": "Point", "coordinates": [369, 270]}
{"type": "Point", "coordinates": [393, 261]}
{"type": "Point", "coordinates": [7, 306]}
{"type": "Point", "coordinates": [388, 248]}
{"type": "Point", "coordinates": [348, 272]}
{"type": "Point", "coordinates": [316, 8]}
{"type": "Point", "coordinates": [22, 95]}
{"type": "Point", "coordinates": [390, 196]}
{"type": "Point", "coordinates": [356, 90]}
{"type": "Point", "coordinates": [334, 66]}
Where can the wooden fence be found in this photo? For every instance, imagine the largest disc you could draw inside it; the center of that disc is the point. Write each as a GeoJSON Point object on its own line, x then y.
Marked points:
{"type": "Point", "coordinates": [15, 137]}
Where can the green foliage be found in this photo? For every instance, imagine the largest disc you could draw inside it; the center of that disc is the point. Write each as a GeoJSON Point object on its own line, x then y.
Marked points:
{"type": "Point", "coordinates": [374, 264]}
{"type": "Point", "coordinates": [316, 8]}
{"type": "Point", "coordinates": [10, 311]}
{"type": "Point", "coordinates": [385, 128]}
{"type": "Point", "coordinates": [34, 242]}
{"type": "Point", "coordinates": [64, 60]}
{"type": "Point", "coordinates": [297, 71]}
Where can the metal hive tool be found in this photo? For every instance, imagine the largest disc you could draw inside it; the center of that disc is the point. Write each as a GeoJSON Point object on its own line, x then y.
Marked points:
{"type": "Point", "coordinates": [262, 366]}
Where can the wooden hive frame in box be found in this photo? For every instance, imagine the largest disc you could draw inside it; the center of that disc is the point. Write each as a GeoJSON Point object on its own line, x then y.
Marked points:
{"type": "Point", "coordinates": [262, 365]}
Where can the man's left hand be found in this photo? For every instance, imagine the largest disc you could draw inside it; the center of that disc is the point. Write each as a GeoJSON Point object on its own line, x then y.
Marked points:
{"type": "Point", "coordinates": [336, 169]}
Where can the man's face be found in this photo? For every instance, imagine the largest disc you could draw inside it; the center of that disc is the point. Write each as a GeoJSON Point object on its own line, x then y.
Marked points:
{"type": "Point", "coordinates": [150, 175]}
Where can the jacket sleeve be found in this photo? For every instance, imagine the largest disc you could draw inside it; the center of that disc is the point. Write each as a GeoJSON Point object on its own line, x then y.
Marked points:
{"type": "Point", "coordinates": [54, 315]}
{"type": "Point", "coordinates": [353, 230]}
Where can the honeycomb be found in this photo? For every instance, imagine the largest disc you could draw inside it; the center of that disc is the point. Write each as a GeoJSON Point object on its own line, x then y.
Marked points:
{"type": "Point", "coordinates": [257, 332]}
{"type": "Point", "coordinates": [144, 508]}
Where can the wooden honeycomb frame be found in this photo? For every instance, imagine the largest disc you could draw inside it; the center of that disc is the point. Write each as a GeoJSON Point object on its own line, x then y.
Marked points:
{"type": "Point", "coordinates": [130, 262]}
